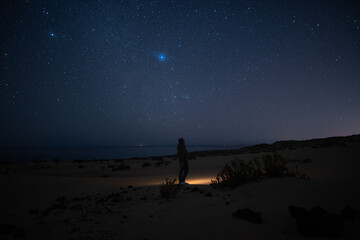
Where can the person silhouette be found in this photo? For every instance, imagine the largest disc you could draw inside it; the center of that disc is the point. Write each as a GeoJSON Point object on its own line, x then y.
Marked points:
{"type": "Point", "coordinates": [184, 165]}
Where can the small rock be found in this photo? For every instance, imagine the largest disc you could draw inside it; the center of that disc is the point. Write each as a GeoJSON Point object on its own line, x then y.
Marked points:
{"type": "Point", "coordinates": [195, 189]}
{"type": "Point", "coordinates": [349, 213]}
{"type": "Point", "coordinates": [317, 222]}
{"type": "Point", "coordinates": [248, 215]}
{"type": "Point", "coordinates": [7, 228]}
{"type": "Point", "coordinates": [209, 195]}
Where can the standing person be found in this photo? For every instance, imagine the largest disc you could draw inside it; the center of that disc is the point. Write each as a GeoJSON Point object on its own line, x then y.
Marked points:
{"type": "Point", "coordinates": [184, 166]}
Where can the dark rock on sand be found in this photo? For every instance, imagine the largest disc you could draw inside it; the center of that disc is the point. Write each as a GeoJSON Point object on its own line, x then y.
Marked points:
{"type": "Point", "coordinates": [6, 228]}
{"type": "Point", "coordinates": [349, 213]}
{"type": "Point", "coordinates": [248, 215]}
{"type": "Point", "coordinates": [317, 222]}
{"type": "Point", "coordinates": [195, 189]}
{"type": "Point", "coordinates": [209, 195]}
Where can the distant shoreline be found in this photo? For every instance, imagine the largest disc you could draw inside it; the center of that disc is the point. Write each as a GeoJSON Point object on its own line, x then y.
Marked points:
{"type": "Point", "coordinates": [158, 152]}
{"type": "Point", "coordinates": [39, 154]}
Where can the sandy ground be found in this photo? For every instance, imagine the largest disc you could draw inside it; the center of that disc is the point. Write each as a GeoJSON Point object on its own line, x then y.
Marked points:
{"type": "Point", "coordinates": [91, 200]}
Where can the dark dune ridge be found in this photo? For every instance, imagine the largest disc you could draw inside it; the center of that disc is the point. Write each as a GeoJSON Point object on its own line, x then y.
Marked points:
{"type": "Point", "coordinates": [282, 145]}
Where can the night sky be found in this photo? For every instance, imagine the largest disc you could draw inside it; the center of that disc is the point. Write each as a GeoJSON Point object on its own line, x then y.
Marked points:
{"type": "Point", "coordinates": [106, 73]}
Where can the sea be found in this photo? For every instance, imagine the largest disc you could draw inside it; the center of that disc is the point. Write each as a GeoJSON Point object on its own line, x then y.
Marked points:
{"type": "Point", "coordinates": [96, 153]}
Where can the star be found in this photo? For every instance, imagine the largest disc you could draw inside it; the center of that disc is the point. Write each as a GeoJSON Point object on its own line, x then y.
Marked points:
{"type": "Point", "coordinates": [161, 57]}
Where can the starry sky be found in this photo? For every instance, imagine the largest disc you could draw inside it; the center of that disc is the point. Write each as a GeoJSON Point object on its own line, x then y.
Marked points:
{"type": "Point", "coordinates": [109, 73]}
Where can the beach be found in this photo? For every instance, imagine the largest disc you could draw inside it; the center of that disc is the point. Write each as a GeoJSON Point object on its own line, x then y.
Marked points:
{"type": "Point", "coordinates": [120, 199]}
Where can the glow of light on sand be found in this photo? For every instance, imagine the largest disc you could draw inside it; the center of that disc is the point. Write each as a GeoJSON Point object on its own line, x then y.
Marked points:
{"type": "Point", "coordinates": [200, 181]}
{"type": "Point", "coordinates": [152, 181]}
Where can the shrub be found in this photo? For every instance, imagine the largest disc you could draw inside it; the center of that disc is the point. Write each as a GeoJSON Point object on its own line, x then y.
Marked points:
{"type": "Point", "coordinates": [294, 172]}
{"type": "Point", "coordinates": [274, 165]}
{"type": "Point", "coordinates": [239, 172]}
{"type": "Point", "coordinates": [169, 189]}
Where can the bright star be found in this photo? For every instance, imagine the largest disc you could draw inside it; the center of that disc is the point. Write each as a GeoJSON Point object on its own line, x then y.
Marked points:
{"type": "Point", "coordinates": [161, 57]}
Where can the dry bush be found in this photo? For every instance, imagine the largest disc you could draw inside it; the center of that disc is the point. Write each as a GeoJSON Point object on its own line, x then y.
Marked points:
{"type": "Point", "coordinates": [240, 171]}
{"type": "Point", "coordinates": [274, 165]}
{"type": "Point", "coordinates": [169, 188]}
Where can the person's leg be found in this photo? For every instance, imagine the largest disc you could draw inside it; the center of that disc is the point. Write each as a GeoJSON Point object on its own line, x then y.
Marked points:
{"type": "Point", "coordinates": [185, 171]}
{"type": "Point", "coordinates": [181, 172]}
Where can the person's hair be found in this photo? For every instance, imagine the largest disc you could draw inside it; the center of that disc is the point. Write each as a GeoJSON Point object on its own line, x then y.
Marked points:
{"type": "Point", "coordinates": [181, 140]}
